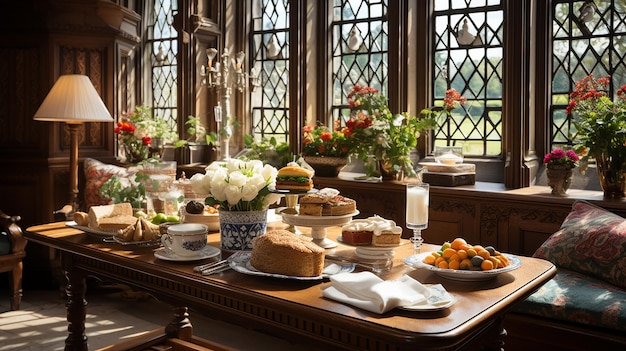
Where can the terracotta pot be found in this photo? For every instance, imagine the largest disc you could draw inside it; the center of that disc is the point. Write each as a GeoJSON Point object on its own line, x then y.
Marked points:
{"type": "Point", "coordinates": [326, 166]}
{"type": "Point", "coordinates": [559, 179]}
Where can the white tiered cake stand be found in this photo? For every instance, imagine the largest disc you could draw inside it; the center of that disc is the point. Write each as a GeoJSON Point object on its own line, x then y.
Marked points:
{"type": "Point", "coordinates": [318, 225]}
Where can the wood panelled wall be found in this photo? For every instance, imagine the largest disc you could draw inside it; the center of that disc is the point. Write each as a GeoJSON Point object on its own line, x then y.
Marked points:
{"type": "Point", "coordinates": [47, 39]}
{"type": "Point", "coordinates": [43, 39]}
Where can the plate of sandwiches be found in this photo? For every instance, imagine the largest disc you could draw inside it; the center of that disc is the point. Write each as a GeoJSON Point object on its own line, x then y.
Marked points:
{"type": "Point", "coordinates": [116, 223]}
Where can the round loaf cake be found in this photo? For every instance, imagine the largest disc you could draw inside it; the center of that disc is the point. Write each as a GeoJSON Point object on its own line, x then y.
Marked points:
{"type": "Point", "coordinates": [283, 252]}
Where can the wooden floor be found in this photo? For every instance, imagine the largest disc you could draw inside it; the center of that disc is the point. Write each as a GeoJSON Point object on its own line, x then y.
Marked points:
{"type": "Point", "coordinates": [112, 315]}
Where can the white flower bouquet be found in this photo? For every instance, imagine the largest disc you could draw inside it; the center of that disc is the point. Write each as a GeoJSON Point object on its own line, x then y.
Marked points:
{"type": "Point", "coordinates": [237, 185]}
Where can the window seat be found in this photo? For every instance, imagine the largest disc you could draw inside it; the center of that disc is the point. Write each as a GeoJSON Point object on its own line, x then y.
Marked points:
{"type": "Point", "coordinates": [584, 306]}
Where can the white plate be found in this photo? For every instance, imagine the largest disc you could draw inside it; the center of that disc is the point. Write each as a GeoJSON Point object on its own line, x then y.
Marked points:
{"type": "Point", "coordinates": [167, 255]}
{"type": "Point", "coordinates": [244, 266]}
{"type": "Point", "coordinates": [94, 232]}
{"type": "Point", "coordinates": [145, 243]}
{"type": "Point", "coordinates": [372, 248]}
{"type": "Point", "coordinates": [374, 255]}
{"type": "Point", "coordinates": [439, 299]}
{"type": "Point", "coordinates": [462, 275]}
{"type": "Point", "coordinates": [317, 221]}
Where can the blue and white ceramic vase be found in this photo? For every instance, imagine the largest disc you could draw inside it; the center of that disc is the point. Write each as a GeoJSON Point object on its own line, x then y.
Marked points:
{"type": "Point", "coordinates": [238, 228]}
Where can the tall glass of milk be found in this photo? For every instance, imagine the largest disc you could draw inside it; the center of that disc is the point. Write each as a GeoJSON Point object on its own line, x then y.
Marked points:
{"type": "Point", "coordinates": [417, 195]}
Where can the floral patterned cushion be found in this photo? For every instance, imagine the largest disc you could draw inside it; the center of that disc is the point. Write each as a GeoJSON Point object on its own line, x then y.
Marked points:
{"type": "Point", "coordinates": [577, 298]}
{"type": "Point", "coordinates": [591, 241]}
{"type": "Point", "coordinates": [96, 174]}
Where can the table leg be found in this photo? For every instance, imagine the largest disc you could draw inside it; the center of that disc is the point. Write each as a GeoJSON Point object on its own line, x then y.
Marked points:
{"type": "Point", "coordinates": [497, 336]}
{"type": "Point", "coordinates": [76, 308]}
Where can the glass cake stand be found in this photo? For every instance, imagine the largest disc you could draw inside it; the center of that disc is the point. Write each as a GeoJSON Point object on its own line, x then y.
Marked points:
{"type": "Point", "coordinates": [318, 225]}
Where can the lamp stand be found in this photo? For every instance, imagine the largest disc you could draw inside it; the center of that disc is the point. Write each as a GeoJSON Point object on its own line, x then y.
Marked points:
{"type": "Point", "coordinates": [73, 168]}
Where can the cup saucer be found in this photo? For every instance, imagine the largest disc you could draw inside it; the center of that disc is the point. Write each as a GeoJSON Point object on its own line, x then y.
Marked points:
{"type": "Point", "coordinates": [168, 255]}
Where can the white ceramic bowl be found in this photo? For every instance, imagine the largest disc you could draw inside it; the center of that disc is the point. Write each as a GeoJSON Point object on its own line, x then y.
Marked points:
{"type": "Point", "coordinates": [212, 221]}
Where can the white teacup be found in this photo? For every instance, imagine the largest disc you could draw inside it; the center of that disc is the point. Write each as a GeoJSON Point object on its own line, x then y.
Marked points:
{"type": "Point", "coordinates": [185, 240]}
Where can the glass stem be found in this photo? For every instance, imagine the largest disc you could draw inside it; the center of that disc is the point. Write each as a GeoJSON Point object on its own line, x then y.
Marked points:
{"type": "Point", "coordinates": [417, 241]}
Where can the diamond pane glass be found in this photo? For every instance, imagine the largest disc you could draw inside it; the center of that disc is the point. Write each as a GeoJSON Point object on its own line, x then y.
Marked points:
{"type": "Point", "coordinates": [360, 41]}
{"type": "Point", "coordinates": [269, 49]}
{"type": "Point", "coordinates": [581, 48]}
{"type": "Point", "coordinates": [163, 46]}
{"type": "Point", "coordinates": [468, 57]}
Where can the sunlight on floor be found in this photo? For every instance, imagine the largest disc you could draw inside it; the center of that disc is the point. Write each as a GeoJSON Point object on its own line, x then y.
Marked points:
{"type": "Point", "coordinates": [41, 324]}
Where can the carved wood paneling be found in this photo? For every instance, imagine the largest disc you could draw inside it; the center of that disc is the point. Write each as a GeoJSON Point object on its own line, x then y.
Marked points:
{"type": "Point", "coordinates": [49, 39]}
{"type": "Point", "coordinates": [515, 221]}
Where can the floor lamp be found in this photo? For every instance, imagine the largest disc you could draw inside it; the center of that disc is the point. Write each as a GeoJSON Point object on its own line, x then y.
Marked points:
{"type": "Point", "coordinates": [73, 100]}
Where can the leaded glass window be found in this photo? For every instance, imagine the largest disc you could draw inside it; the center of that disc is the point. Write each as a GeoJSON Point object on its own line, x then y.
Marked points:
{"type": "Point", "coordinates": [270, 58]}
{"type": "Point", "coordinates": [360, 38]}
{"type": "Point", "coordinates": [162, 48]}
{"type": "Point", "coordinates": [468, 56]}
{"type": "Point", "coordinates": [584, 42]}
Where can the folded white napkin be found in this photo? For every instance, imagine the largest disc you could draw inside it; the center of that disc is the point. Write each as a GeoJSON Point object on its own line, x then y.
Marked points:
{"type": "Point", "coordinates": [369, 292]}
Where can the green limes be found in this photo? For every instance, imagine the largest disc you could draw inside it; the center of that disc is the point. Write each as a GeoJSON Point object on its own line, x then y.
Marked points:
{"type": "Point", "coordinates": [172, 218]}
{"type": "Point", "coordinates": [159, 218]}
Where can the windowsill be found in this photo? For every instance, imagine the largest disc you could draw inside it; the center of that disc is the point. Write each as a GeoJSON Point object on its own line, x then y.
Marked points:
{"type": "Point", "coordinates": [486, 190]}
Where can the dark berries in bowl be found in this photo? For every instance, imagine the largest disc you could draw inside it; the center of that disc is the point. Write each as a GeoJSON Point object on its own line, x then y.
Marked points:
{"type": "Point", "coordinates": [194, 207]}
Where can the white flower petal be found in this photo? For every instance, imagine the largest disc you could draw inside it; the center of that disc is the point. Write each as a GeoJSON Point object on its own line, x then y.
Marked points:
{"type": "Point", "coordinates": [233, 194]}
{"type": "Point", "coordinates": [270, 199]}
{"type": "Point", "coordinates": [237, 179]}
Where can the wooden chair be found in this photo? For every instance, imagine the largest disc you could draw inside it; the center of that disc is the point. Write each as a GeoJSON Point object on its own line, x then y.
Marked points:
{"type": "Point", "coordinates": [176, 336]}
{"type": "Point", "coordinates": [11, 259]}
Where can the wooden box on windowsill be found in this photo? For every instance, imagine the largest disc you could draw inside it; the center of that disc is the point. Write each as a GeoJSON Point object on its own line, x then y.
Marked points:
{"type": "Point", "coordinates": [449, 179]}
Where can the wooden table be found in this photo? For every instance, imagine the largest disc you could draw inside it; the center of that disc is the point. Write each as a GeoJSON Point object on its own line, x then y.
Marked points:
{"type": "Point", "coordinates": [294, 309]}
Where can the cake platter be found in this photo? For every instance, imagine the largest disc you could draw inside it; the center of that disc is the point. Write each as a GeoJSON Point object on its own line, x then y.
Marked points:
{"type": "Point", "coordinates": [318, 225]}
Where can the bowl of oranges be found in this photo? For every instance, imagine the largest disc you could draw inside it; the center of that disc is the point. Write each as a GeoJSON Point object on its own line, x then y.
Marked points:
{"type": "Point", "coordinates": [459, 260]}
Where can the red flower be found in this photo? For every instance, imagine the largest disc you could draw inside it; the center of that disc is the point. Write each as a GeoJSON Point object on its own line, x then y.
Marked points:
{"type": "Point", "coordinates": [323, 141]}
{"type": "Point", "coordinates": [453, 99]}
{"type": "Point", "coordinates": [561, 157]}
{"type": "Point", "coordinates": [146, 140]}
{"type": "Point", "coordinates": [326, 136]}
{"type": "Point", "coordinates": [124, 127]}
{"type": "Point", "coordinates": [621, 92]}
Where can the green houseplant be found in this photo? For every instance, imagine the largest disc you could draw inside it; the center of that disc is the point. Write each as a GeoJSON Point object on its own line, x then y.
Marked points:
{"type": "Point", "coordinates": [268, 150]}
{"type": "Point", "coordinates": [142, 136]}
{"type": "Point", "coordinates": [201, 145]}
{"type": "Point", "coordinates": [121, 190]}
{"type": "Point", "coordinates": [378, 133]}
{"type": "Point", "coordinates": [601, 127]}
